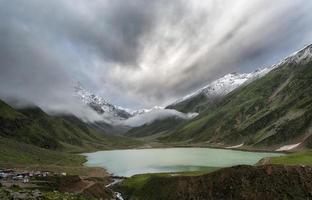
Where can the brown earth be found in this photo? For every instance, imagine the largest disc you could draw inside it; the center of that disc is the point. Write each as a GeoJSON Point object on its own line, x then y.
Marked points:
{"type": "Point", "coordinates": [89, 187]}
{"type": "Point", "coordinates": [97, 190]}
{"type": "Point", "coordinates": [71, 170]}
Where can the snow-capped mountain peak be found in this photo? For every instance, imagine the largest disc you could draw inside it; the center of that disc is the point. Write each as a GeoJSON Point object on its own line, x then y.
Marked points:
{"type": "Point", "coordinates": [117, 115]}
{"type": "Point", "coordinates": [100, 105]}
{"type": "Point", "coordinates": [302, 56]}
{"type": "Point", "coordinates": [107, 109]}
{"type": "Point", "coordinates": [225, 85]}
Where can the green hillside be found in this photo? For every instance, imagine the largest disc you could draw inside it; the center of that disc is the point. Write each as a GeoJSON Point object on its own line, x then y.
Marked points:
{"type": "Point", "coordinates": [158, 126]}
{"type": "Point", "coordinates": [275, 109]}
{"type": "Point", "coordinates": [13, 152]}
{"type": "Point", "coordinates": [32, 136]}
{"type": "Point", "coordinates": [7, 112]}
{"type": "Point", "coordinates": [196, 104]}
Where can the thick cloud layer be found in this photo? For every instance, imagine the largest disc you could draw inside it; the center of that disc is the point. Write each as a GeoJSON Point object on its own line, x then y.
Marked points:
{"type": "Point", "coordinates": [139, 53]}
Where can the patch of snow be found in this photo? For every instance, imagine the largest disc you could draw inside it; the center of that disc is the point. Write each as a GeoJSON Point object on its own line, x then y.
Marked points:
{"type": "Point", "coordinates": [119, 196]}
{"type": "Point", "coordinates": [115, 181]}
{"type": "Point", "coordinates": [288, 147]}
{"type": "Point", "coordinates": [236, 146]}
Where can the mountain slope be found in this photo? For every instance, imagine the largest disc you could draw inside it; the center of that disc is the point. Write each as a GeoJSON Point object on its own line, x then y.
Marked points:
{"type": "Point", "coordinates": [66, 133]}
{"type": "Point", "coordinates": [198, 101]}
{"type": "Point", "coordinates": [269, 112]}
{"type": "Point", "coordinates": [14, 152]}
{"type": "Point", "coordinates": [213, 92]}
{"type": "Point", "coordinates": [30, 136]}
{"type": "Point", "coordinates": [158, 126]}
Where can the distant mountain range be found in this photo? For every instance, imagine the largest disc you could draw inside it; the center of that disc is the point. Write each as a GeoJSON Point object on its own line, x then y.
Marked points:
{"type": "Point", "coordinates": [116, 116]}
{"type": "Point", "coordinates": [218, 88]}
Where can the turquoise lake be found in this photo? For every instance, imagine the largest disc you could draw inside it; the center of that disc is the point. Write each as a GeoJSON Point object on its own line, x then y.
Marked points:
{"type": "Point", "coordinates": [139, 161]}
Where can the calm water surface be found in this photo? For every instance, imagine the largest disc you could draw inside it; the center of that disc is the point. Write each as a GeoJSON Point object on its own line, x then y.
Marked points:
{"type": "Point", "coordinates": [138, 161]}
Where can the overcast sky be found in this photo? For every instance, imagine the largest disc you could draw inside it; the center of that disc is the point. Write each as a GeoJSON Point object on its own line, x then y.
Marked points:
{"type": "Point", "coordinates": [140, 53]}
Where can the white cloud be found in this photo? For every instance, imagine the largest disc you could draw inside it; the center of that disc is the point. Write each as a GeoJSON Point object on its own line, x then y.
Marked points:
{"type": "Point", "coordinates": [156, 114]}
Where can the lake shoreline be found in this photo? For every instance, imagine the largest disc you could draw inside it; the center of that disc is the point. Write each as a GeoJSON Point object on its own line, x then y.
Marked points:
{"type": "Point", "coordinates": [246, 149]}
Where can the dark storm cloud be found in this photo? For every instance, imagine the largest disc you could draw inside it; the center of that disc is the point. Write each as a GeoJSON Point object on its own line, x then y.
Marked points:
{"type": "Point", "coordinates": [141, 52]}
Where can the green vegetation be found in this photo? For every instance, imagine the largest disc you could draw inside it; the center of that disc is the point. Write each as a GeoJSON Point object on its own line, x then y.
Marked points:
{"type": "Point", "coordinates": [12, 152]}
{"type": "Point", "coordinates": [63, 133]}
{"type": "Point", "coordinates": [300, 158]}
{"type": "Point", "coordinates": [157, 126]}
{"type": "Point", "coordinates": [8, 112]}
{"type": "Point", "coordinates": [197, 104]}
{"type": "Point", "coordinates": [30, 136]}
{"type": "Point", "coordinates": [135, 186]}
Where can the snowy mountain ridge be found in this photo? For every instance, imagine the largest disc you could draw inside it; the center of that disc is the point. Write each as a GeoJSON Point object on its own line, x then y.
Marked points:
{"type": "Point", "coordinates": [225, 85]}
{"type": "Point", "coordinates": [302, 56]}
{"type": "Point", "coordinates": [230, 82]}
{"type": "Point", "coordinates": [116, 115]}
{"type": "Point", "coordinates": [100, 105]}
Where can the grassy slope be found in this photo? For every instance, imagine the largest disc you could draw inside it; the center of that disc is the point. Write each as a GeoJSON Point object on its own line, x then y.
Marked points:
{"type": "Point", "coordinates": [300, 158]}
{"type": "Point", "coordinates": [155, 127]}
{"type": "Point", "coordinates": [275, 109]}
{"type": "Point", "coordinates": [30, 136]}
{"type": "Point", "coordinates": [133, 185]}
{"type": "Point", "coordinates": [7, 112]}
{"type": "Point", "coordinates": [72, 134]}
{"type": "Point", "coordinates": [197, 104]}
{"type": "Point", "coordinates": [20, 153]}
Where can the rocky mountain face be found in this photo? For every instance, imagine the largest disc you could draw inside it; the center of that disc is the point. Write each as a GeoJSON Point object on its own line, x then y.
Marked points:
{"type": "Point", "coordinates": [100, 105]}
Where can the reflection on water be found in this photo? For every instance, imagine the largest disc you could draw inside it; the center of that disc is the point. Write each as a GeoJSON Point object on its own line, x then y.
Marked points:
{"type": "Point", "coordinates": [138, 161]}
